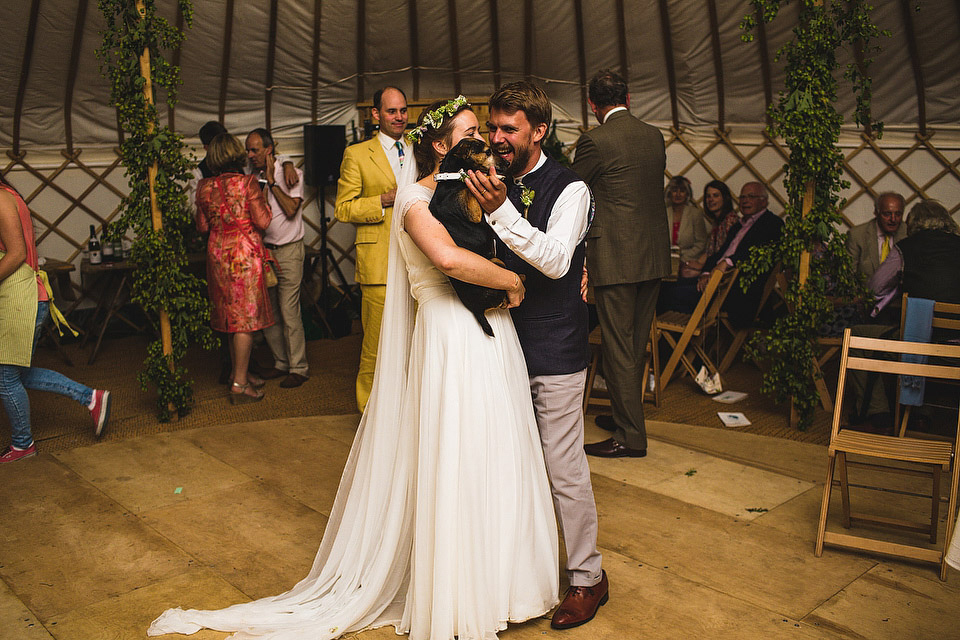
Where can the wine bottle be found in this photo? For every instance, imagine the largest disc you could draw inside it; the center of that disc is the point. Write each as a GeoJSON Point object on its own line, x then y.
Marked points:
{"type": "Point", "coordinates": [106, 246]}
{"type": "Point", "coordinates": [93, 246]}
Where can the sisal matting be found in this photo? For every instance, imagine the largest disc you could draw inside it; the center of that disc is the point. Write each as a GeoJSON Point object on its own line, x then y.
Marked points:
{"type": "Point", "coordinates": [59, 423]}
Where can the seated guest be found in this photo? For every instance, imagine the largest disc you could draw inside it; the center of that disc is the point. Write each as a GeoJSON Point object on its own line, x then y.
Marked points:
{"type": "Point", "coordinates": [925, 264]}
{"type": "Point", "coordinates": [718, 209]}
{"type": "Point", "coordinates": [688, 228]}
{"type": "Point", "coordinates": [869, 243]}
{"type": "Point", "coordinates": [757, 226]}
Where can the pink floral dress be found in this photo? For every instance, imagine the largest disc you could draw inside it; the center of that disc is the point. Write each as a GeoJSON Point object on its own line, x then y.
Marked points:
{"type": "Point", "coordinates": [232, 208]}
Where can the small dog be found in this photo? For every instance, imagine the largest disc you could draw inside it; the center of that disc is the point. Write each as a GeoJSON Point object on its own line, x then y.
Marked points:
{"type": "Point", "coordinates": [460, 213]}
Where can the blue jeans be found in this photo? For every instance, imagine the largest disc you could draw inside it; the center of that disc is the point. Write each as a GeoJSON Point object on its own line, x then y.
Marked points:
{"type": "Point", "coordinates": [14, 382]}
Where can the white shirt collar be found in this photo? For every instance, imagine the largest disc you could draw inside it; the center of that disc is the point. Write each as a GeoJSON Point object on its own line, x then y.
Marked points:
{"type": "Point", "coordinates": [389, 143]}
{"type": "Point", "coordinates": [540, 161]}
{"type": "Point", "coordinates": [614, 110]}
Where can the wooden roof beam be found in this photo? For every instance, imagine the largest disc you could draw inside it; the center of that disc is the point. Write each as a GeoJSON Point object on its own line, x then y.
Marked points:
{"type": "Point", "coordinates": [315, 64]}
{"type": "Point", "coordinates": [361, 45]}
{"type": "Point", "coordinates": [581, 62]}
{"type": "Point", "coordinates": [271, 64]}
{"type": "Point", "coordinates": [910, 31]}
{"type": "Point", "coordinates": [495, 43]}
{"type": "Point", "coordinates": [72, 73]}
{"type": "Point", "coordinates": [225, 61]}
{"type": "Point", "coordinates": [454, 45]}
{"type": "Point", "coordinates": [764, 66]}
{"type": "Point", "coordinates": [414, 47]}
{"type": "Point", "coordinates": [528, 39]}
{"type": "Point", "coordinates": [25, 73]}
{"type": "Point", "coordinates": [622, 41]}
{"type": "Point", "coordinates": [668, 55]}
{"type": "Point", "coordinates": [717, 62]}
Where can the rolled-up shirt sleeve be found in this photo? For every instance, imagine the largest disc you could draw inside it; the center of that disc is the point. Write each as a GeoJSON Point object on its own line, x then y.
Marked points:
{"type": "Point", "coordinates": [549, 251]}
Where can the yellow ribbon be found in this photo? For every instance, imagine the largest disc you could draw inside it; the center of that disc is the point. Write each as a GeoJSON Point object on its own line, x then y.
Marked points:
{"type": "Point", "coordinates": [58, 319]}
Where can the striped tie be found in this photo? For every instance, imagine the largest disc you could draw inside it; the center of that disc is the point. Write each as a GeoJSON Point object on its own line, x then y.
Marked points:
{"type": "Point", "coordinates": [399, 146]}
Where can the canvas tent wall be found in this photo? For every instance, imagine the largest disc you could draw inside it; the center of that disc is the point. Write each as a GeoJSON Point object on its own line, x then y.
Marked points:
{"type": "Point", "coordinates": [285, 63]}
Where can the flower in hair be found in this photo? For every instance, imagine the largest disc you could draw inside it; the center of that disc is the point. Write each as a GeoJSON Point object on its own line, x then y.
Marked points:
{"type": "Point", "coordinates": [434, 119]}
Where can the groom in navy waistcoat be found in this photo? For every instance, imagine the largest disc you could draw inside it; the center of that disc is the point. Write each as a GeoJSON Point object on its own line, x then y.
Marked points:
{"type": "Point", "coordinates": [540, 214]}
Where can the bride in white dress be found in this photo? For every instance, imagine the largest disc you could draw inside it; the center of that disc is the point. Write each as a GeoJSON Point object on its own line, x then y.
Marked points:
{"type": "Point", "coordinates": [443, 525]}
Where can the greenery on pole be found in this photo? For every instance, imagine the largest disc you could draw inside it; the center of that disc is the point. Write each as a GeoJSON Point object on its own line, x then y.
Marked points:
{"type": "Point", "coordinates": [161, 282]}
{"type": "Point", "coordinates": [805, 117]}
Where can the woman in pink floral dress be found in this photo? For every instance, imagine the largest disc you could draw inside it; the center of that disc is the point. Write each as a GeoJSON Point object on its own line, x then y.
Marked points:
{"type": "Point", "coordinates": [231, 206]}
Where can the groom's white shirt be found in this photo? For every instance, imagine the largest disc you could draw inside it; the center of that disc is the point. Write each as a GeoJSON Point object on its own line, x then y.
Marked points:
{"type": "Point", "coordinates": [550, 251]}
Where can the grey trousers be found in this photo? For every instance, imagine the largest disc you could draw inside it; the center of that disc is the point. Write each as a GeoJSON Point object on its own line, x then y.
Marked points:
{"type": "Point", "coordinates": [558, 404]}
{"type": "Point", "coordinates": [286, 338]}
{"type": "Point", "coordinates": [626, 312]}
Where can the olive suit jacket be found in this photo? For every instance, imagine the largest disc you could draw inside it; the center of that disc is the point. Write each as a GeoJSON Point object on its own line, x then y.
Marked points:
{"type": "Point", "coordinates": [863, 249]}
{"type": "Point", "coordinates": [623, 161]}
{"type": "Point", "coordinates": [365, 174]}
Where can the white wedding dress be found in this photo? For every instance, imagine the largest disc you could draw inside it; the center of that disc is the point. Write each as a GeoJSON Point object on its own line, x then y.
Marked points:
{"type": "Point", "coordinates": [443, 524]}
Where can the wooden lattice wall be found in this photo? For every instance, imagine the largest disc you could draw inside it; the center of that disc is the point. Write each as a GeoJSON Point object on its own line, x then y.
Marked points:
{"type": "Point", "coordinates": [68, 193]}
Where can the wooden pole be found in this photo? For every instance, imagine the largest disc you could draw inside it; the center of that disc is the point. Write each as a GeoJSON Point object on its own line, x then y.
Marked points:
{"type": "Point", "coordinates": [166, 337]}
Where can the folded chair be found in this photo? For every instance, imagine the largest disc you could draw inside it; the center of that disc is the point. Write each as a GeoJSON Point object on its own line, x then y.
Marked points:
{"type": "Point", "coordinates": [650, 365]}
{"type": "Point", "coordinates": [679, 329]}
{"type": "Point", "coordinates": [891, 454]}
{"type": "Point", "coordinates": [946, 316]}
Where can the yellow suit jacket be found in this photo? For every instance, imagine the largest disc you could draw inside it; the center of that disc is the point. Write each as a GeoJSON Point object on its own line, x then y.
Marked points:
{"type": "Point", "coordinates": [365, 174]}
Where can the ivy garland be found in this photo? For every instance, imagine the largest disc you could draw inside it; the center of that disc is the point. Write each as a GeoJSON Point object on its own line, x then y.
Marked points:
{"type": "Point", "coordinates": [160, 281]}
{"type": "Point", "coordinates": [805, 117]}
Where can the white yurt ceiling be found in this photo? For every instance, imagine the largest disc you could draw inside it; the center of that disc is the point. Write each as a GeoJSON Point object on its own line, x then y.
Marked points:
{"type": "Point", "coordinates": [284, 63]}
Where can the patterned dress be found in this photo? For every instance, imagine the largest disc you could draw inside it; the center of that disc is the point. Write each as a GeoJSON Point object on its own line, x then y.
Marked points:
{"type": "Point", "coordinates": [232, 208]}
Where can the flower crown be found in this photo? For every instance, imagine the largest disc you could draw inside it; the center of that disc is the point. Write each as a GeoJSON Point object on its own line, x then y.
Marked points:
{"type": "Point", "coordinates": [435, 118]}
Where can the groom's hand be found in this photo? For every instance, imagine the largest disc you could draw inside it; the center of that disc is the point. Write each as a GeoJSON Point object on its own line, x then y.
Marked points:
{"type": "Point", "coordinates": [489, 191]}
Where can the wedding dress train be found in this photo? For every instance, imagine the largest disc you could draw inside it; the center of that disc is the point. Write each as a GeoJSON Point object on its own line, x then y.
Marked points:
{"type": "Point", "coordinates": [443, 524]}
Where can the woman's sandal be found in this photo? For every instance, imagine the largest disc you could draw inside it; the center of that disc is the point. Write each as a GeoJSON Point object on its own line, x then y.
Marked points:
{"type": "Point", "coordinates": [241, 396]}
{"type": "Point", "coordinates": [256, 383]}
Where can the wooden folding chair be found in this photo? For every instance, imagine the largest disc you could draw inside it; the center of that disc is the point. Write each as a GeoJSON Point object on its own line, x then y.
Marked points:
{"type": "Point", "coordinates": [679, 329]}
{"type": "Point", "coordinates": [894, 454]}
{"type": "Point", "coordinates": [946, 315]}
{"type": "Point", "coordinates": [651, 364]}
{"type": "Point", "coordinates": [776, 282]}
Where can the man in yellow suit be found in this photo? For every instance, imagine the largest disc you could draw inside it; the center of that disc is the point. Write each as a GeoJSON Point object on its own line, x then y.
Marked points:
{"type": "Point", "coordinates": [365, 194]}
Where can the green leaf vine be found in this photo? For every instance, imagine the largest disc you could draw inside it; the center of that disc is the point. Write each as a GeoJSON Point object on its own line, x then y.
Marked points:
{"type": "Point", "coordinates": [805, 117]}
{"type": "Point", "coordinates": [161, 282]}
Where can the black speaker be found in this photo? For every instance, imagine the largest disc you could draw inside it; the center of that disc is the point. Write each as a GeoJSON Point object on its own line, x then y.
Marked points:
{"type": "Point", "coordinates": [323, 147]}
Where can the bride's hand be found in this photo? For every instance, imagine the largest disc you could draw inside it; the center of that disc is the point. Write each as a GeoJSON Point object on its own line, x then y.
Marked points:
{"type": "Point", "coordinates": [515, 294]}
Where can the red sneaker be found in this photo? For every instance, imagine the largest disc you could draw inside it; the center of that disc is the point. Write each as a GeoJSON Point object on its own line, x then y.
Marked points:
{"type": "Point", "coordinates": [100, 411]}
{"type": "Point", "coordinates": [12, 455]}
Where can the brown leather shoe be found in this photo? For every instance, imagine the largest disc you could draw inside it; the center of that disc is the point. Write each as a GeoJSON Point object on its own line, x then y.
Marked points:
{"type": "Point", "coordinates": [271, 374]}
{"type": "Point", "coordinates": [293, 380]}
{"type": "Point", "coordinates": [610, 448]}
{"type": "Point", "coordinates": [581, 604]}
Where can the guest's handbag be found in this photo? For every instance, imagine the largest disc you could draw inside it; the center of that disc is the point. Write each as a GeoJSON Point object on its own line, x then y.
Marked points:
{"type": "Point", "coordinates": [270, 271]}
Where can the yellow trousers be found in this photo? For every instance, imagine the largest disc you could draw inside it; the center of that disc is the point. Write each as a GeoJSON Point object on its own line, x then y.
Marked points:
{"type": "Point", "coordinates": [371, 313]}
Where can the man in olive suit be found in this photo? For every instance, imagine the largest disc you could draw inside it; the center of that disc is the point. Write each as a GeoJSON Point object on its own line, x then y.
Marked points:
{"type": "Point", "coordinates": [628, 251]}
{"type": "Point", "coordinates": [870, 243]}
{"type": "Point", "coordinates": [365, 194]}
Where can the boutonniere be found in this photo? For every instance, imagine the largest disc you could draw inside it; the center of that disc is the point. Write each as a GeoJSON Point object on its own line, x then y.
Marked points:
{"type": "Point", "coordinates": [526, 197]}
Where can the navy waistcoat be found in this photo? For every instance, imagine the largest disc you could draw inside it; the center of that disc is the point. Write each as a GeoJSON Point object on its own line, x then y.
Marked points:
{"type": "Point", "coordinates": [552, 319]}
